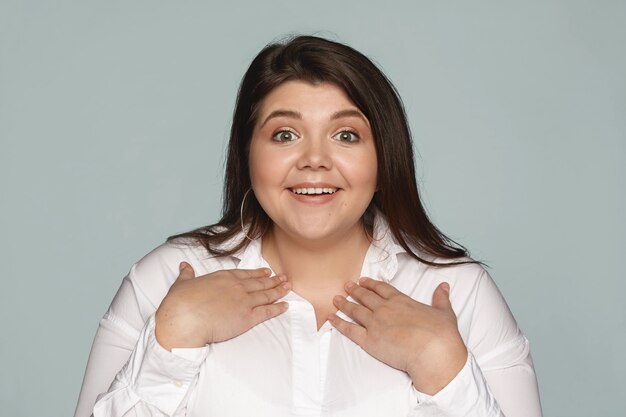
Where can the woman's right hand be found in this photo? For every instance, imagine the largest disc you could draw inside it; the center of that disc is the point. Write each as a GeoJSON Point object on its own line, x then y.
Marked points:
{"type": "Point", "coordinates": [217, 306]}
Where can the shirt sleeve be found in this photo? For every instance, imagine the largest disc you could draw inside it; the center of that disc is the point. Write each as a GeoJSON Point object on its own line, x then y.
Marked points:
{"type": "Point", "coordinates": [128, 372]}
{"type": "Point", "coordinates": [466, 395]}
{"type": "Point", "coordinates": [498, 378]}
{"type": "Point", "coordinates": [153, 382]}
{"type": "Point", "coordinates": [502, 352]}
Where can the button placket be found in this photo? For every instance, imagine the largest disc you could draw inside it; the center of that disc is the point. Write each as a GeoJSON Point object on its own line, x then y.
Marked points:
{"type": "Point", "coordinates": [309, 359]}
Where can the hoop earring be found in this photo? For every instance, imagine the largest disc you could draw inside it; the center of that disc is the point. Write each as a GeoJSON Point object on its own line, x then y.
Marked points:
{"type": "Point", "coordinates": [243, 200]}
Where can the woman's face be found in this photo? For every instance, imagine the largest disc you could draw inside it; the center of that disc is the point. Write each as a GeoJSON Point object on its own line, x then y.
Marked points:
{"type": "Point", "coordinates": [312, 161]}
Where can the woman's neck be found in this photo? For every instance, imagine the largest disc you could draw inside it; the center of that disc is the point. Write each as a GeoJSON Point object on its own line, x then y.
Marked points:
{"type": "Point", "coordinates": [313, 266]}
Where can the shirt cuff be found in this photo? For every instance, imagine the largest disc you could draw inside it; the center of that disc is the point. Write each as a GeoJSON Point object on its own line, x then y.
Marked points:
{"type": "Point", "coordinates": [161, 377]}
{"type": "Point", "coordinates": [466, 395]}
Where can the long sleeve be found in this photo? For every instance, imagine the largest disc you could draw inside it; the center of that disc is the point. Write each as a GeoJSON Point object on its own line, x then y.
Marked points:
{"type": "Point", "coordinates": [154, 381]}
{"type": "Point", "coordinates": [128, 372]}
{"type": "Point", "coordinates": [466, 395]}
{"type": "Point", "coordinates": [499, 378]}
{"type": "Point", "coordinates": [502, 352]}
{"type": "Point", "coordinates": [486, 392]}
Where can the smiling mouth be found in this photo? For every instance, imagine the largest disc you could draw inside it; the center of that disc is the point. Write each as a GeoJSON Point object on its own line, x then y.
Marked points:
{"type": "Point", "coordinates": [314, 191]}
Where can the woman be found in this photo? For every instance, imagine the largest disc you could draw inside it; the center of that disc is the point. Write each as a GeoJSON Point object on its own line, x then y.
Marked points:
{"type": "Point", "coordinates": [324, 290]}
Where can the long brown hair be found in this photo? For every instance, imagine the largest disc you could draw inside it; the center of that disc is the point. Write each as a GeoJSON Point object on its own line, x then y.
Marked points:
{"type": "Point", "coordinates": [315, 60]}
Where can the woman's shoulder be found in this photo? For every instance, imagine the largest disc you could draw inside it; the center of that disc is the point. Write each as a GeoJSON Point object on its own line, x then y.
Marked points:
{"type": "Point", "coordinates": [419, 279]}
{"type": "Point", "coordinates": [458, 269]}
{"type": "Point", "coordinates": [483, 315]}
{"type": "Point", "coordinates": [167, 256]}
{"type": "Point", "coordinates": [160, 266]}
{"type": "Point", "coordinates": [150, 278]}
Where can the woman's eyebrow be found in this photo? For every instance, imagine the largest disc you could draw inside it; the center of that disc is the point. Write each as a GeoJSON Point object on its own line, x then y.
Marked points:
{"type": "Point", "coordinates": [349, 113]}
{"type": "Point", "coordinates": [282, 113]}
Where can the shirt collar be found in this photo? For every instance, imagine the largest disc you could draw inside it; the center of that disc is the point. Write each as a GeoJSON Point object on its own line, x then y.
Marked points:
{"type": "Point", "coordinates": [381, 260]}
{"type": "Point", "coordinates": [250, 255]}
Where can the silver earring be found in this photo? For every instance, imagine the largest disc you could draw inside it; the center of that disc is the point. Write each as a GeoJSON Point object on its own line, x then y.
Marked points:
{"type": "Point", "coordinates": [243, 200]}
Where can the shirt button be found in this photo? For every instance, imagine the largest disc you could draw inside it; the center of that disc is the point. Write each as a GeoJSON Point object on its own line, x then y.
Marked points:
{"type": "Point", "coordinates": [178, 383]}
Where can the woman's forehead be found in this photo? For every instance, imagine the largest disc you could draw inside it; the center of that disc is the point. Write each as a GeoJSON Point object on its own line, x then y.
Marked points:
{"type": "Point", "coordinates": [302, 99]}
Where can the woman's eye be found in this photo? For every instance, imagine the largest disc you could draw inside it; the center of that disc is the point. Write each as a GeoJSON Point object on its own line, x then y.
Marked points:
{"type": "Point", "coordinates": [347, 136]}
{"type": "Point", "coordinates": [284, 136]}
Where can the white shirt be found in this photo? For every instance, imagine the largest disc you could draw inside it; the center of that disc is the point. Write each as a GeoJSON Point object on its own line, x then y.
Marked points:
{"type": "Point", "coordinates": [286, 367]}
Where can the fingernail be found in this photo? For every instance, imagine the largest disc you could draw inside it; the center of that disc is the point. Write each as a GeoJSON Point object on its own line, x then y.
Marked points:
{"type": "Point", "coordinates": [350, 285]}
{"type": "Point", "coordinates": [286, 285]}
{"type": "Point", "coordinates": [446, 287]}
{"type": "Point", "coordinates": [337, 298]}
{"type": "Point", "coordinates": [182, 266]}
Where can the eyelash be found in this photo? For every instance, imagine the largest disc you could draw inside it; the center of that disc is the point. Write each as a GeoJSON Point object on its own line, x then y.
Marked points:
{"type": "Point", "coordinates": [276, 135]}
{"type": "Point", "coordinates": [352, 132]}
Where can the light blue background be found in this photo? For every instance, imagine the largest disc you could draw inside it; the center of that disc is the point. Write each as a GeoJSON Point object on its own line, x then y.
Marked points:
{"type": "Point", "coordinates": [114, 116]}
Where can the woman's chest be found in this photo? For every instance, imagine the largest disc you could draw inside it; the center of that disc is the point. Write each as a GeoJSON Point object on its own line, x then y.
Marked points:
{"type": "Point", "coordinates": [286, 367]}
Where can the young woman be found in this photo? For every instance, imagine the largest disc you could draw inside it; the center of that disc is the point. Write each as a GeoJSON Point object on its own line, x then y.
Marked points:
{"type": "Point", "coordinates": [324, 290]}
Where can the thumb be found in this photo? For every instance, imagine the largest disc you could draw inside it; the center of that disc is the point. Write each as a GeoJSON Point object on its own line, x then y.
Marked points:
{"type": "Point", "coordinates": [441, 297]}
{"type": "Point", "coordinates": [186, 272]}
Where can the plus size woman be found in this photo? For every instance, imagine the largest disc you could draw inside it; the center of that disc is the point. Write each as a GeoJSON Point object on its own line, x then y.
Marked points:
{"type": "Point", "coordinates": [324, 289]}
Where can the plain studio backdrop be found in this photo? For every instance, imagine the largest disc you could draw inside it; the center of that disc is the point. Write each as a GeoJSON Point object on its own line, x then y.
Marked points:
{"type": "Point", "coordinates": [114, 117]}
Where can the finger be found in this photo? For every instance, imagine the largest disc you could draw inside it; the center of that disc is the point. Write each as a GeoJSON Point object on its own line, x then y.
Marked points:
{"type": "Point", "coordinates": [381, 288]}
{"type": "Point", "coordinates": [355, 311]}
{"type": "Point", "coordinates": [263, 283]}
{"type": "Point", "coordinates": [352, 331]}
{"type": "Point", "coordinates": [186, 272]}
{"type": "Point", "coordinates": [441, 297]}
{"type": "Point", "coordinates": [268, 311]}
{"type": "Point", "coordinates": [364, 296]}
{"type": "Point", "coordinates": [269, 296]}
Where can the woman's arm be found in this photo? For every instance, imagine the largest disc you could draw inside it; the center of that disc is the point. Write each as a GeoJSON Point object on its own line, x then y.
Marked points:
{"type": "Point", "coordinates": [153, 382]}
{"type": "Point", "coordinates": [497, 377]}
{"type": "Point", "coordinates": [502, 352]}
{"type": "Point", "coordinates": [139, 376]}
{"type": "Point", "coordinates": [500, 380]}
{"type": "Point", "coordinates": [125, 361]}
{"type": "Point", "coordinates": [516, 388]}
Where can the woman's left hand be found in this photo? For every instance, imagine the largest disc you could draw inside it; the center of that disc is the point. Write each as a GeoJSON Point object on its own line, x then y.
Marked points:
{"type": "Point", "coordinates": [422, 340]}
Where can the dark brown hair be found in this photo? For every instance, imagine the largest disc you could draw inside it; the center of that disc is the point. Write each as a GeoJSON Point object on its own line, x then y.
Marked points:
{"type": "Point", "coordinates": [316, 60]}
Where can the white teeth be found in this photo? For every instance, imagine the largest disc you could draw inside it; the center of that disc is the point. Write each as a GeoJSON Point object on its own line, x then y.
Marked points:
{"type": "Point", "coordinates": [314, 190]}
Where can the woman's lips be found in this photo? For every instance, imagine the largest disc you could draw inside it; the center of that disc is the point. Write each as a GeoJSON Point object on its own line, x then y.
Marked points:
{"type": "Point", "coordinates": [314, 194]}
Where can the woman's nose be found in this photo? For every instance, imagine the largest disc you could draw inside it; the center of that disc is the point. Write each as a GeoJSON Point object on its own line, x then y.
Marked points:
{"type": "Point", "coordinates": [315, 154]}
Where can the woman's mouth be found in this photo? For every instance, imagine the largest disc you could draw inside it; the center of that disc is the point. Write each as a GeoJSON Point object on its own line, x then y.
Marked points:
{"type": "Point", "coordinates": [313, 191]}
